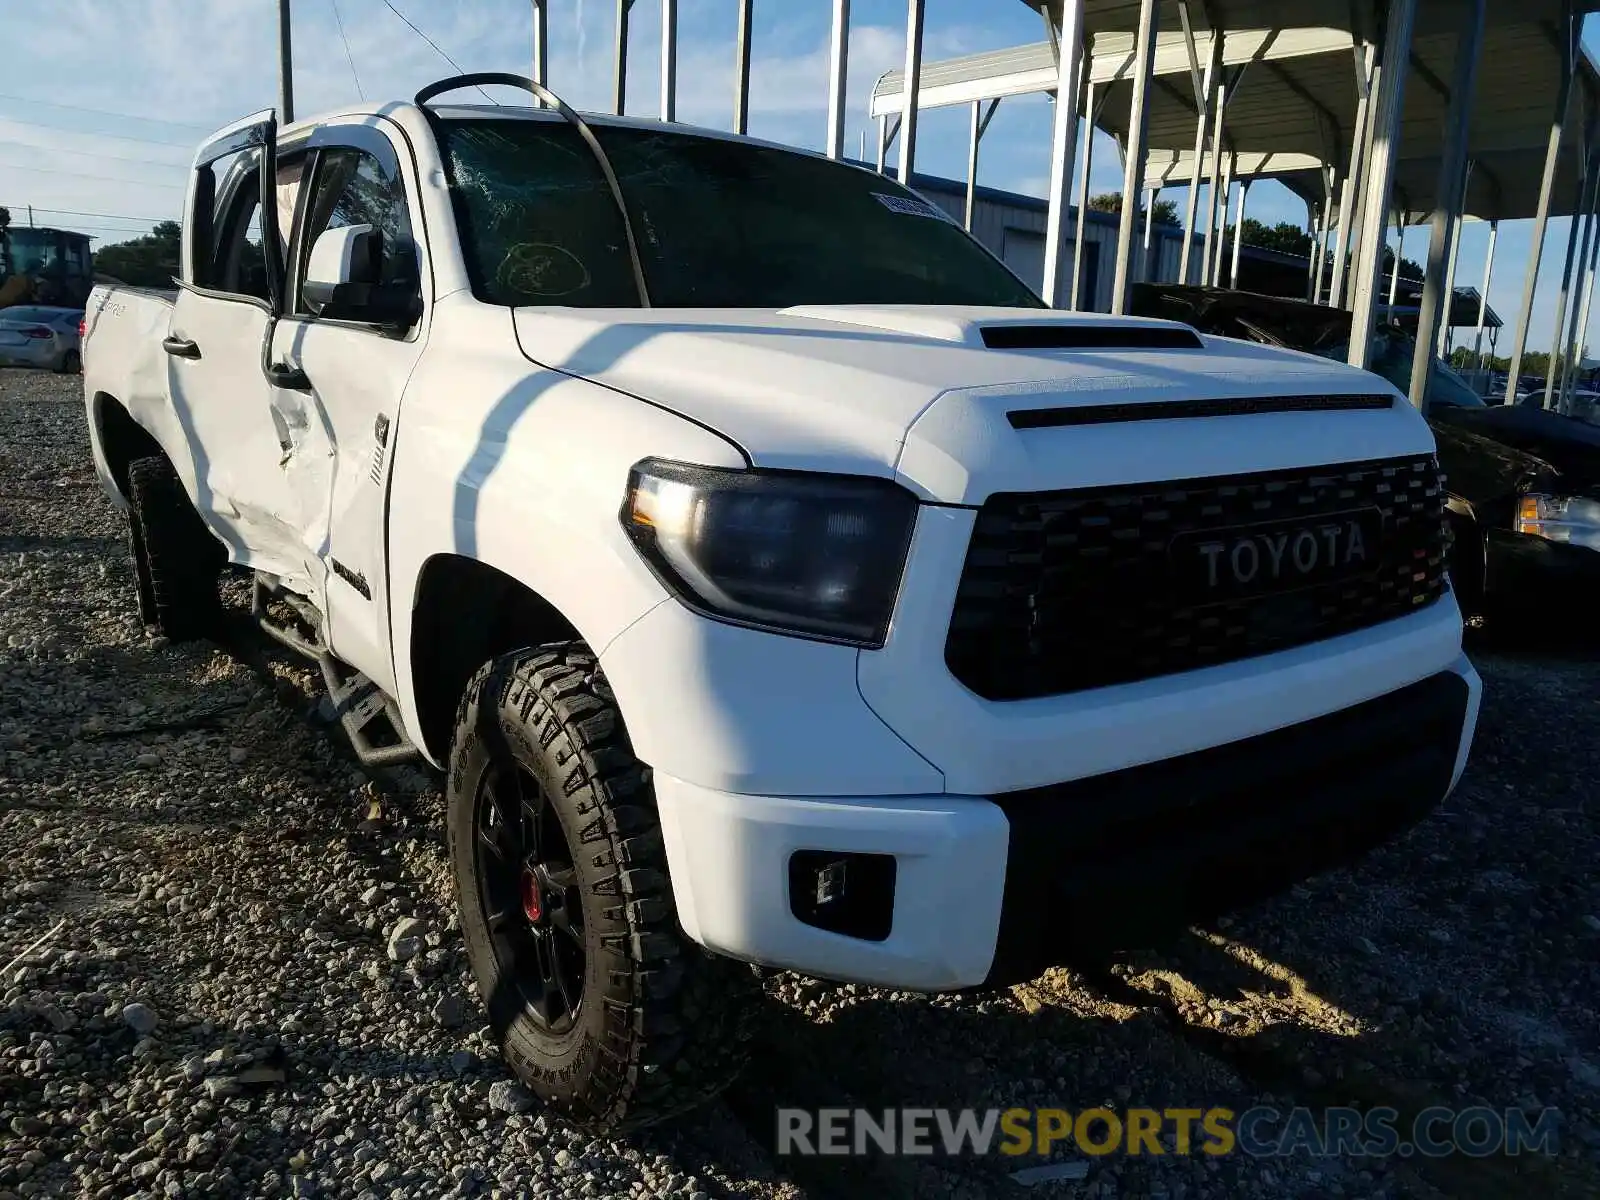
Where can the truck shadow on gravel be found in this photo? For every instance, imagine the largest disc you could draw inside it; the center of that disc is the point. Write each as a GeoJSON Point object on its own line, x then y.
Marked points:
{"type": "Point", "coordinates": [1112, 1036]}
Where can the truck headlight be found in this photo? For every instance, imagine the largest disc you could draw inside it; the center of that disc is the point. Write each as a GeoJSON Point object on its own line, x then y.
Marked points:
{"type": "Point", "coordinates": [810, 554]}
{"type": "Point", "coordinates": [1571, 519]}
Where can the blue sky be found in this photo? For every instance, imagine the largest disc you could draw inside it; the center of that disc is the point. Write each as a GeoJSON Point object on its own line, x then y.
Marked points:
{"type": "Point", "coordinates": [103, 100]}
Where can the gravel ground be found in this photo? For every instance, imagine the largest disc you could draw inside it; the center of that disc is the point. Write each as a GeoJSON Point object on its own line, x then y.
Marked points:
{"type": "Point", "coordinates": [251, 982]}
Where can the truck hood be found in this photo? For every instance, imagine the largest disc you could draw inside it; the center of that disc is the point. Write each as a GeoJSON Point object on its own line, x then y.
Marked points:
{"type": "Point", "coordinates": [1569, 445]}
{"type": "Point", "coordinates": [1490, 474]}
{"type": "Point", "coordinates": [929, 394]}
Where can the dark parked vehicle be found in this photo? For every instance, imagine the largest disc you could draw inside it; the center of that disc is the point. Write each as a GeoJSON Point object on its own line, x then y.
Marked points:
{"type": "Point", "coordinates": [1524, 482]}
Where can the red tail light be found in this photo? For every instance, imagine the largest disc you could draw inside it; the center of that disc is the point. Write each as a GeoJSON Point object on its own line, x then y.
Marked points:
{"type": "Point", "coordinates": [83, 330]}
{"type": "Point", "coordinates": [38, 331]}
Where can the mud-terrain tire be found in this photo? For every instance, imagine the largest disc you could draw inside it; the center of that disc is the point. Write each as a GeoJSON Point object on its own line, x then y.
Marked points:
{"type": "Point", "coordinates": [176, 561]}
{"type": "Point", "coordinates": [600, 1002]}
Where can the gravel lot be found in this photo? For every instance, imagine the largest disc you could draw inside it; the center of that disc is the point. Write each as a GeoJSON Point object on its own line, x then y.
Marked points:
{"type": "Point", "coordinates": [220, 1011]}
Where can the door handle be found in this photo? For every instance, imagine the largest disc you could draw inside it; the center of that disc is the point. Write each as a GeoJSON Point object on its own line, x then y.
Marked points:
{"type": "Point", "coordinates": [180, 347]}
{"type": "Point", "coordinates": [282, 375]}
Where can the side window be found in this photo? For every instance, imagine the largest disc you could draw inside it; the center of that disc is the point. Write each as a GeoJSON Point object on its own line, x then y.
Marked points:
{"type": "Point", "coordinates": [232, 259]}
{"type": "Point", "coordinates": [354, 188]}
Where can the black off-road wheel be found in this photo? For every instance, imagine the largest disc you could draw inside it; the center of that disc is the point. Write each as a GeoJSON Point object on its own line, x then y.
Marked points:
{"type": "Point", "coordinates": [176, 561]}
{"type": "Point", "coordinates": [602, 1005]}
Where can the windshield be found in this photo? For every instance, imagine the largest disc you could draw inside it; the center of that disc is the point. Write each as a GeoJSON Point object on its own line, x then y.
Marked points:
{"type": "Point", "coordinates": [1392, 349]}
{"type": "Point", "coordinates": [720, 224]}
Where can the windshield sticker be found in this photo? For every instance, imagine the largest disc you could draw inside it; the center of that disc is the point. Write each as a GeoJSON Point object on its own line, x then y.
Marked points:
{"type": "Point", "coordinates": [908, 206]}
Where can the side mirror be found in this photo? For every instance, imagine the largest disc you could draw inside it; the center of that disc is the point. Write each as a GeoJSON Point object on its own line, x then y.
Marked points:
{"type": "Point", "coordinates": [343, 280]}
{"type": "Point", "coordinates": [340, 258]}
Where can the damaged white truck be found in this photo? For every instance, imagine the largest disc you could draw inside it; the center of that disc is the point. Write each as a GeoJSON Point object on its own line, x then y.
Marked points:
{"type": "Point", "coordinates": [775, 578]}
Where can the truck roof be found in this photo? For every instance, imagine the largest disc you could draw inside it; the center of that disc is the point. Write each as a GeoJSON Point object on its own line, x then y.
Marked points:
{"type": "Point", "coordinates": [519, 112]}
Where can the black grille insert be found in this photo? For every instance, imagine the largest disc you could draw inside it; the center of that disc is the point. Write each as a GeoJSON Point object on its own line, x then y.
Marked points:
{"type": "Point", "coordinates": [1064, 591]}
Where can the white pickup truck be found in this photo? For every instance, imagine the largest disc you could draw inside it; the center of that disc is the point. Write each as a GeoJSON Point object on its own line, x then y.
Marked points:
{"type": "Point", "coordinates": [777, 580]}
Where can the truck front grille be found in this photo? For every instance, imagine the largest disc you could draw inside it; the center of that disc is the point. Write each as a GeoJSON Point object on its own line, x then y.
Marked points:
{"type": "Point", "coordinates": [1064, 591]}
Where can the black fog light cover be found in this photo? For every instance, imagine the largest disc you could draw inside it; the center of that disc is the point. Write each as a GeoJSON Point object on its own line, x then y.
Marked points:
{"type": "Point", "coordinates": [852, 894]}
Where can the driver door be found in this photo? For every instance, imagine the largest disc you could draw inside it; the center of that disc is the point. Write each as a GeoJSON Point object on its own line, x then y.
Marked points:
{"type": "Point", "coordinates": [340, 405]}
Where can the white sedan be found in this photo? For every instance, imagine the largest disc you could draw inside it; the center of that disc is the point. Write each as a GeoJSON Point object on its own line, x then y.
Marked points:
{"type": "Point", "coordinates": [33, 335]}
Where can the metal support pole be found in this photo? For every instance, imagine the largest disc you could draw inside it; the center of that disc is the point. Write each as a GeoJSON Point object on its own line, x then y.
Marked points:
{"type": "Point", "coordinates": [1585, 200]}
{"type": "Point", "coordinates": [1205, 93]}
{"type": "Point", "coordinates": [1314, 255]}
{"type": "Point", "coordinates": [669, 60]}
{"type": "Point", "coordinates": [541, 46]}
{"type": "Point", "coordinates": [1483, 303]}
{"type": "Point", "coordinates": [1062, 145]}
{"type": "Point", "coordinates": [1224, 197]}
{"type": "Point", "coordinates": [1358, 200]}
{"type": "Point", "coordinates": [1191, 204]}
{"type": "Point", "coordinates": [1580, 343]}
{"type": "Point", "coordinates": [1082, 221]}
{"type": "Point", "coordinates": [1570, 355]}
{"type": "Point", "coordinates": [1208, 251]}
{"type": "Point", "coordinates": [1394, 275]}
{"type": "Point", "coordinates": [838, 74]}
{"type": "Point", "coordinates": [285, 66]}
{"type": "Point", "coordinates": [1133, 159]}
{"type": "Point", "coordinates": [973, 134]}
{"type": "Point", "coordinates": [1324, 232]}
{"type": "Point", "coordinates": [1385, 122]}
{"type": "Point", "coordinates": [1238, 233]}
{"type": "Point", "coordinates": [1541, 221]}
{"type": "Point", "coordinates": [1447, 315]}
{"type": "Point", "coordinates": [741, 69]}
{"type": "Point", "coordinates": [1360, 132]}
{"type": "Point", "coordinates": [619, 74]}
{"type": "Point", "coordinates": [1451, 191]}
{"type": "Point", "coordinates": [1146, 272]}
{"type": "Point", "coordinates": [980, 125]}
{"type": "Point", "coordinates": [1341, 243]}
{"type": "Point", "coordinates": [911, 92]}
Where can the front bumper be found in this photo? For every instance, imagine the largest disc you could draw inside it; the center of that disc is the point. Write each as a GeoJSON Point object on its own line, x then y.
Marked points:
{"type": "Point", "coordinates": [990, 890]}
{"type": "Point", "coordinates": [1528, 575]}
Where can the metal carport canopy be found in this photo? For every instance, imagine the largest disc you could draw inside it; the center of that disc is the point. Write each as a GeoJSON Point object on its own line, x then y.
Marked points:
{"type": "Point", "coordinates": [1290, 118]}
{"type": "Point", "coordinates": [1293, 111]}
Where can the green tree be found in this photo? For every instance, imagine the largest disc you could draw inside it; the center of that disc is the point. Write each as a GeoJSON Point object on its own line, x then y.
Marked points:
{"type": "Point", "coordinates": [1408, 269]}
{"type": "Point", "coordinates": [1166, 212]}
{"type": "Point", "coordinates": [1282, 237]}
{"type": "Point", "coordinates": [147, 261]}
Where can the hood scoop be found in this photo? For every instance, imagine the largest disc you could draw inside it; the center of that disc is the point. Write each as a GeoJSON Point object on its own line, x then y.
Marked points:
{"type": "Point", "coordinates": [1005, 328]}
{"type": "Point", "coordinates": [1090, 337]}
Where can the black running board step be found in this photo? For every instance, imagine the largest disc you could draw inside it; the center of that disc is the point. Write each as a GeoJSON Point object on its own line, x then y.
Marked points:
{"type": "Point", "coordinates": [262, 594]}
{"type": "Point", "coordinates": [361, 705]}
